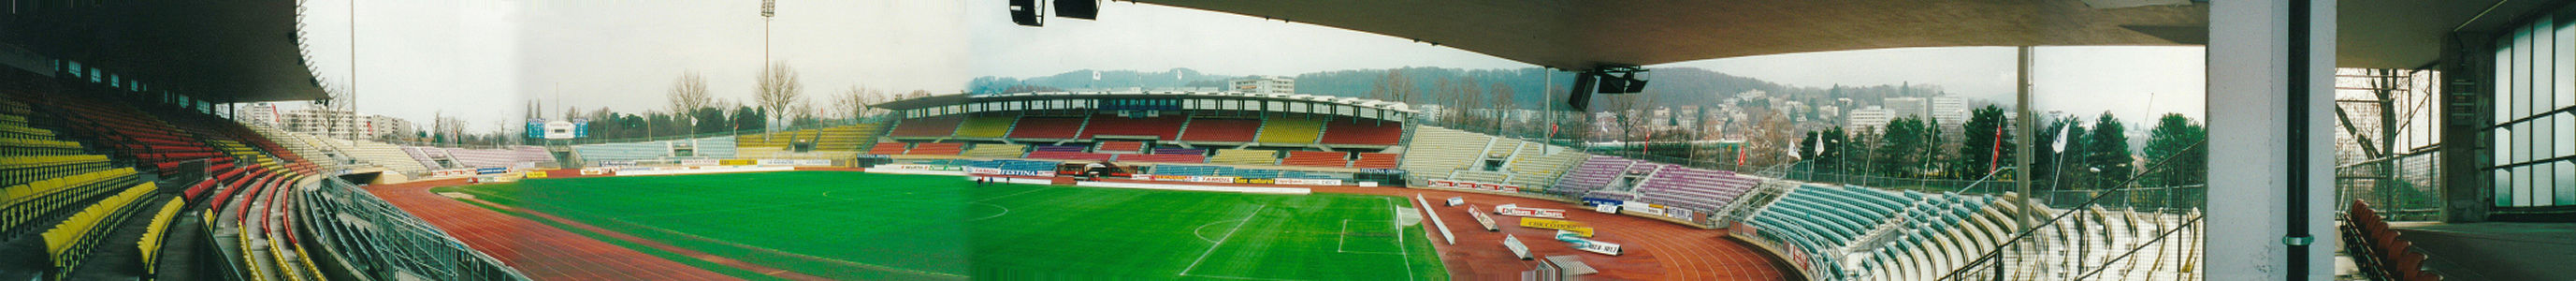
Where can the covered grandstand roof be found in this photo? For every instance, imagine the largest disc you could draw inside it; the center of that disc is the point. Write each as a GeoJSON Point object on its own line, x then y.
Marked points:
{"type": "Point", "coordinates": [1579, 35]}
{"type": "Point", "coordinates": [222, 51]}
{"type": "Point", "coordinates": [954, 99]}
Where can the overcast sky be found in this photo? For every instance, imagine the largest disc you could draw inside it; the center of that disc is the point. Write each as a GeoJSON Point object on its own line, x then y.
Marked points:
{"type": "Point", "coordinates": [482, 59]}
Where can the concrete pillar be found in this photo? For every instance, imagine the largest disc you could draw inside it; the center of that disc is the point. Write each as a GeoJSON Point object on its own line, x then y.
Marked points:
{"type": "Point", "coordinates": [2250, 126]}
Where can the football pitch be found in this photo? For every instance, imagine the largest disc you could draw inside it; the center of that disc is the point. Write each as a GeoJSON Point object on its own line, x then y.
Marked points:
{"type": "Point", "coordinates": [849, 225]}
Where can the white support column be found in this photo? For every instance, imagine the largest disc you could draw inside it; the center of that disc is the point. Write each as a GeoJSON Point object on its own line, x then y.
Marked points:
{"type": "Point", "coordinates": [2250, 112]}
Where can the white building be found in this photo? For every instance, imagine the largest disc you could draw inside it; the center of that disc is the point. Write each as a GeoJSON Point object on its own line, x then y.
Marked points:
{"type": "Point", "coordinates": [262, 114]}
{"type": "Point", "coordinates": [342, 124]}
{"type": "Point", "coordinates": [1951, 111]}
{"type": "Point", "coordinates": [1907, 107]}
{"type": "Point", "coordinates": [1868, 119]}
{"type": "Point", "coordinates": [1264, 84]}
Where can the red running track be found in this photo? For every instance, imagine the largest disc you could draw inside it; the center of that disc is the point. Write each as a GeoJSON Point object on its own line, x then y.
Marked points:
{"type": "Point", "coordinates": [541, 251]}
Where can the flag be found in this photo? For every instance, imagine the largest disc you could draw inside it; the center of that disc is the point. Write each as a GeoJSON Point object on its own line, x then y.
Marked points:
{"type": "Point", "coordinates": [2061, 138]}
{"type": "Point", "coordinates": [1796, 151]}
{"type": "Point", "coordinates": [1739, 155]}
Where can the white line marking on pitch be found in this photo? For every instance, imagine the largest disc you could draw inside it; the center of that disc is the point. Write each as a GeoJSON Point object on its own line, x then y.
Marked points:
{"type": "Point", "coordinates": [1220, 241]}
{"type": "Point", "coordinates": [1397, 221]}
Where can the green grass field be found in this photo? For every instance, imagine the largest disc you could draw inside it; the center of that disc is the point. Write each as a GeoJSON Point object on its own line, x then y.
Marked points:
{"type": "Point", "coordinates": [874, 226]}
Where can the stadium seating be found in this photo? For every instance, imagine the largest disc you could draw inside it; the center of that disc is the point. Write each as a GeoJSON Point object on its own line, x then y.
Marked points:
{"type": "Point", "coordinates": [1120, 147]}
{"type": "Point", "coordinates": [1167, 127]}
{"type": "Point", "coordinates": [627, 151]}
{"type": "Point", "coordinates": [1595, 173]}
{"type": "Point", "coordinates": [386, 155]}
{"type": "Point", "coordinates": [1377, 161]}
{"type": "Point", "coordinates": [126, 130]}
{"type": "Point", "coordinates": [157, 231]}
{"type": "Point", "coordinates": [888, 148]}
{"type": "Point", "coordinates": [708, 147]}
{"type": "Point", "coordinates": [780, 139]}
{"type": "Point", "coordinates": [1162, 158]}
{"type": "Point", "coordinates": [1539, 168]}
{"type": "Point", "coordinates": [1290, 130]}
{"type": "Point", "coordinates": [1061, 148]}
{"type": "Point", "coordinates": [1221, 171]}
{"type": "Point", "coordinates": [34, 200]}
{"type": "Point", "coordinates": [986, 126]}
{"type": "Point", "coordinates": [1069, 155]}
{"type": "Point", "coordinates": [1221, 130]}
{"type": "Point", "coordinates": [1047, 128]}
{"type": "Point", "coordinates": [943, 148]}
{"type": "Point", "coordinates": [68, 243]}
{"type": "Point", "coordinates": [1696, 189]}
{"type": "Point", "coordinates": [845, 138]}
{"type": "Point", "coordinates": [1436, 151]}
{"type": "Point", "coordinates": [995, 150]}
{"type": "Point", "coordinates": [1176, 150]}
{"type": "Point", "coordinates": [1363, 132]}
{"type": "Point", "coordinates": [1316, 159]}
{"type": "Point", "coordinates": [935, 126]}
{"type": "Point", "coordinates": [1244, 157]}
{"type": "Point", "coordinates": [427, 156]}
{"type": "Point", "coordinates": [2379, 250]}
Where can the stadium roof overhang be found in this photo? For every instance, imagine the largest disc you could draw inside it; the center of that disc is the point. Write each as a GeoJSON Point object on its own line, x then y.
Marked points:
{"type": "Point", "coordinates": [1580, 35]}
{"type": "Point", "coordinates": [221, 51]}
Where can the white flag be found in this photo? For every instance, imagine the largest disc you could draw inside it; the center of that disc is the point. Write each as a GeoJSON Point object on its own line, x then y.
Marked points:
{"type": "Point", "coordinates": [2061, 137]}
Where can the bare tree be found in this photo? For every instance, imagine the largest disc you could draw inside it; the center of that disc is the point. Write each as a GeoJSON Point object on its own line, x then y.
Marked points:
{"type": "Point", "coordinates": [778, 90]}
{"type": "Point", "coordinates": [1393, 87]}
{"type": "Point", "coordinates": [689, 93]}
{"type": "Point", "coordinates": [915, 94]}
{"type": "Point", "coordinates": [857, 102]}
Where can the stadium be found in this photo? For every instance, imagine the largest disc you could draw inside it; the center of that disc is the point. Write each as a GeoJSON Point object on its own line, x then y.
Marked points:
{"type": "Point", "coordinates": [129, 157]}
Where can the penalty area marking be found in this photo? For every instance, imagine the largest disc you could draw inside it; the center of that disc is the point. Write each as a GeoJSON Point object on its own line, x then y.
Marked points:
{"type": "Point", "coordinates": [1203, 236]}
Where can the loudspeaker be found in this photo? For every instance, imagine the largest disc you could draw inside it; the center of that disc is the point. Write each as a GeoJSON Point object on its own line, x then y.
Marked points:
{"type": "Point", "coordinates": [1080, 9]}
{"type": "Point", "coordinates": [1580, 98]}
{"type": "Point", "coordinates": [1611, 84]}
{"type": "Point", "coordinates": [1025, 12]}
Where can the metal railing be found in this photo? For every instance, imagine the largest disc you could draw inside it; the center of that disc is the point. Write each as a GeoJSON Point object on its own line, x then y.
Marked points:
{"type": "Point", "coordinates": [382, 242]}
{"type": "Point", "coordinates": [2020, 250]}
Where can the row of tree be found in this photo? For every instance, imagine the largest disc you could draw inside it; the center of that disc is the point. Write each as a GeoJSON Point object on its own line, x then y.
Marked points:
{"type": "Point", "coordinates": [2072, 155]}
{"type": "Point", "coordinates": [779, 98]}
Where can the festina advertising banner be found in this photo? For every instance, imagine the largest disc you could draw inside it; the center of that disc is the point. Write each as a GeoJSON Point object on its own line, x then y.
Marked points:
{"type": "Point", "coordinates": [1596, 246]}
{"type": "Point", "coordinates": [1516, 210]}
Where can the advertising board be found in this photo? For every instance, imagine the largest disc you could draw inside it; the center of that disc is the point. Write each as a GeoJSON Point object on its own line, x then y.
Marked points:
{"type": "Point", "coordinates": [1481, 218]}
{"type": "Point", "coordinates": [1518, 211]}
{"type": "Point", "coordinates": [1539, 223]}
{"type": "Point", "coordinates": [1311, 181]}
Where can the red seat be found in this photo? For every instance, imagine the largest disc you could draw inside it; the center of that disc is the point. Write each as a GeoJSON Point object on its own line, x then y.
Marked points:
{"type": "Point", "coordinates": [1161, 128]}
{"type": "Point", "coordinates": [886, 148]}
{"type": "Point", "coordinates": [1363, 132]}
{"type": "Point", "coordinates": [1377, 161]}
{"type": "Point", "coordinates": [1222, 130]}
